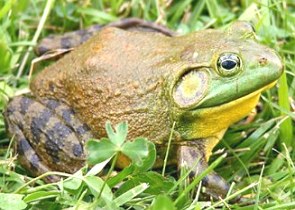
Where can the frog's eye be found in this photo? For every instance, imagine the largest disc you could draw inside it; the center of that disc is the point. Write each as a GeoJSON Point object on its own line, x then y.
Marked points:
{"type": "Point", "coordinates": [229, 64]}
{"type": "Point", "coordinates": [191, 88]}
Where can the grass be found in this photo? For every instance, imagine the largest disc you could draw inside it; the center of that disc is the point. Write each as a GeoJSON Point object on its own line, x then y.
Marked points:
{"type": "Point", "coordinates": [260, 155]}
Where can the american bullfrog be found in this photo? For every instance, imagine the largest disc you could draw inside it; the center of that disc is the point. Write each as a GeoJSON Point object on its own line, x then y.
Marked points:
{"type": "Point", "coordinates": [203, 82]}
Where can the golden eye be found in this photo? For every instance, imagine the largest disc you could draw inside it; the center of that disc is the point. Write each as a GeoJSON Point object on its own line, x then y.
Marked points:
{"type": "Point", "coordinates": [229, 64]}
{"type": "Point", "coordinates": [191, 88]}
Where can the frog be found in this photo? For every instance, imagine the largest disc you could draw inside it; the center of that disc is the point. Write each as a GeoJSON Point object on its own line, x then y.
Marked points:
{"type": "Point", "coordinates": [199, 83]}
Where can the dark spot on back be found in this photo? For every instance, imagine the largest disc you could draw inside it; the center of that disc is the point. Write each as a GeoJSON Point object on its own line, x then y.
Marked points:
{"type": "Point", "coordinates": [39, 123]}
{"type": "Point", "coordinates": [65, 42]}
{"type": "Point", "coordinates": [25, 104]}
{"type": "Point", "coordinates": [77, 150]}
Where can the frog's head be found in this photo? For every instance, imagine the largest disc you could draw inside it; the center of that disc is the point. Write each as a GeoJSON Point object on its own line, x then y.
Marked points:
{"type": "Point", "coordinates": [227, 72]}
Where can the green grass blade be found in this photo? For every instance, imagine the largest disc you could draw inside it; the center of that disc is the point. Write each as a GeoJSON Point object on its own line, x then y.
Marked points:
{"type": "Point", "coordinates": [286, 128]}
{"type": "Point", "coordinates": [130, 194]}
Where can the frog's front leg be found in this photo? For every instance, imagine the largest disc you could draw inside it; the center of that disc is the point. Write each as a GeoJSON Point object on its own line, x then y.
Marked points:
{"type": "Point", "coordinates": [48, 136]}
{"type": "Point", "coordinates": [187, 157]}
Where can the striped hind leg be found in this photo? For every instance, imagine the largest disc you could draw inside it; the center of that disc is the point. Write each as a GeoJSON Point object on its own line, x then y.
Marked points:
{"type": "Point", "coordinates": [48, 135]}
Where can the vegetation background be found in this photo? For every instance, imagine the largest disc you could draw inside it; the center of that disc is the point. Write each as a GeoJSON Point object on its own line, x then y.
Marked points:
{"type": "Point", "coordinates": [260, 155]}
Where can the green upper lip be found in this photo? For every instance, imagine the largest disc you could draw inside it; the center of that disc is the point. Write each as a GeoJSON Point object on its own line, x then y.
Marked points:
{"type": "Point", "coordinates": [225, 90]}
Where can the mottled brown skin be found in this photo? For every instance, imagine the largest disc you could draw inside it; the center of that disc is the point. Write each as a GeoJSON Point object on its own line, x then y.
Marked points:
{"type": "Point", "coordinates": [97, 94]}
{"type": "Point", "coordinates": [121, 75]}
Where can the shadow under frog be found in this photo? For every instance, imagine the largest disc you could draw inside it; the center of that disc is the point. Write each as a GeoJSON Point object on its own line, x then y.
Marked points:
{"type": "Point", "coordinates": [203, 81]}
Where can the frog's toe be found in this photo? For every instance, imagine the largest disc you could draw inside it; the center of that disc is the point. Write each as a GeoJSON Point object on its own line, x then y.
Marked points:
{"type": "Point", "coordinates": [215, 185]}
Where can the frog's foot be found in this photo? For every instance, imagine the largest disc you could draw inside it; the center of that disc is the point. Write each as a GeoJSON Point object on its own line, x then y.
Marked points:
{"type": "Point", "coordinates": [48, 136]}
{"type": "Point", "coordinates": [215, 185]}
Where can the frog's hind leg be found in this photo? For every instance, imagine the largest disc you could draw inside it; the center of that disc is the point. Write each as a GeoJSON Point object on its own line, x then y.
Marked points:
{"type": "Point", "coordinates": [215, 185]}
{"type": "Point", "coordinates": [47, 135]}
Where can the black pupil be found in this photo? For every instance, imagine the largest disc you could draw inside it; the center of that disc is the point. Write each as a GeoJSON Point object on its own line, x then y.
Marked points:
{"type": "Point", "coordinates": [228, 64]}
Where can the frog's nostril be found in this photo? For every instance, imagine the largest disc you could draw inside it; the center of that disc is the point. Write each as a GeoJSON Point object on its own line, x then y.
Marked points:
{"type": "Point", "coordinates": [263, 61]}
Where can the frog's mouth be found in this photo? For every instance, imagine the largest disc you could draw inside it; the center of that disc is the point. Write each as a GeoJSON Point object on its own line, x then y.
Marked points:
{"type": "Point", "coordinates": [243, 98]}
{"type": "Point", "coordinates": [238, 104]}
{"type": "Point", "coordinates": [206, 122]}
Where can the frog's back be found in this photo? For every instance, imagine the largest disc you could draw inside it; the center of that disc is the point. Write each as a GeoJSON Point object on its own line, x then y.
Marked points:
{"type": "Point", "coordinates": [113, 76]}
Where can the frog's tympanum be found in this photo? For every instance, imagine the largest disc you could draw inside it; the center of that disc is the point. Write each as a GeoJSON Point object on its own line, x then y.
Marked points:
{"type": "Point", "coordinates": [203, 81]}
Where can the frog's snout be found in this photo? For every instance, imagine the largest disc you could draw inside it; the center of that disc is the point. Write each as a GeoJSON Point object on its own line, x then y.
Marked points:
{"type": "Point", "coordinates": [272, 61]}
